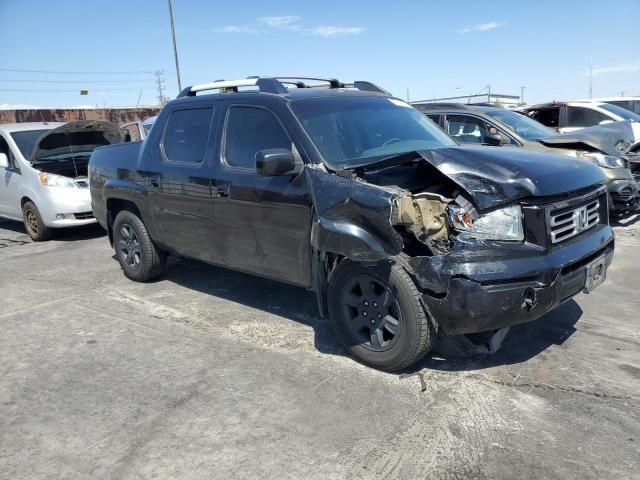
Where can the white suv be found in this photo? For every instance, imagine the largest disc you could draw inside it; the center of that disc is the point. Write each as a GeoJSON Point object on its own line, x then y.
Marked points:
{"type": "Point", "coordinates": [570, 116]}
{"type": "Point", "coordinates": [43, 172]}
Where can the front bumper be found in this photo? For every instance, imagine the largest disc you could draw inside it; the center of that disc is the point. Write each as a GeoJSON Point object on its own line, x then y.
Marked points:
{"type": "Point", "coordinates": [65, 207]}
{"type": "Point", "coordinates": [485, 292]}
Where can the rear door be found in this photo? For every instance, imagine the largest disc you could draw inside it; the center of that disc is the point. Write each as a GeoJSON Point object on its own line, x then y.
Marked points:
{"type": "Point", "coordinates": [178, 177]}
{"type": "Point", "coordinates": [262, 223]}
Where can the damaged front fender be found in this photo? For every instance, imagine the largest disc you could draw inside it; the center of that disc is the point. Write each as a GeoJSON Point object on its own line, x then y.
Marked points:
{"type": "Point", "coordinates": [352, 218]}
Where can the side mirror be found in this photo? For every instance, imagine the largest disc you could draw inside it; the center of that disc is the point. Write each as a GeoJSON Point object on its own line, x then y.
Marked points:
{"type": "Point", "coordinates": [275, 162]}
{"type": "Point", "coordinates": [4, 160]}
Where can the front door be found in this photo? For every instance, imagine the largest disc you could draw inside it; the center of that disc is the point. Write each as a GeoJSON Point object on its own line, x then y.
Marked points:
{"type": "Point", "coordinates": [9, 179]}
{"type": "Point", "coordinates": [262, 223]}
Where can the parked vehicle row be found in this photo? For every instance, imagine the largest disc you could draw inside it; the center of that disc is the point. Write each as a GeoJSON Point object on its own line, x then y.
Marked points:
{"type": "Point", "coordinates": [351, 193]}
{"type": "Point", "coordinates": [489, 125]}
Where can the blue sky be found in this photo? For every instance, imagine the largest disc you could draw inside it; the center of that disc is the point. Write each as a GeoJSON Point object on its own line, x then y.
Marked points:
{"type": "Point", "coordinates": [432, 48]}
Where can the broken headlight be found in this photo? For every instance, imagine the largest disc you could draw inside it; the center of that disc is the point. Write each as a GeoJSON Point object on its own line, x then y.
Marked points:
{"type": "Point", "coordinates": [605, 161]}
{"type": "Point", "coordinates": [52, 180]}
{"type": "Point", "coordinates": [502, 224]}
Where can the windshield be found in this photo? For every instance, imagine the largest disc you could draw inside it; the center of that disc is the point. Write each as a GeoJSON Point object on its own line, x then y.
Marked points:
{"type": "Point", "coordinates": [26, 139]}
{"type": "Point", "coordinates": [524, 126]}
{"type": "Point", "coordinates": [621, 112]}
{"type": "Point", "coordinates": [352, 131]}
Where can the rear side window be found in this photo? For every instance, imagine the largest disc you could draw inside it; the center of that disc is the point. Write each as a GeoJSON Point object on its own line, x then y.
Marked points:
{"type": "Point", "coordinates": [584, 117]}
{"type": "Point", "coordinates": [249, 130]}
{"type": "Point", "coordinates": [547, 116]}
{"type": "Point", "coordinates": [187, 133]}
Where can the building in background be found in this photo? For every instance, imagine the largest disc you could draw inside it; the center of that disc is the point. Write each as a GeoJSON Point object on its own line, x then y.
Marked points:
{"type": "Point", "coordinates": [117, 115]}
{"type": "Point", "coordinates": [507, 101]}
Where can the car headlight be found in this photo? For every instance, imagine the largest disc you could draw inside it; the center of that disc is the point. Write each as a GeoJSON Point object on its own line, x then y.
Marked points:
{"type": "Point", "coordinates": [52, 180]}
{"type": "Point", "coordinates": [503, 224]}
{"type": "Point", "coordinates": [605, 161]}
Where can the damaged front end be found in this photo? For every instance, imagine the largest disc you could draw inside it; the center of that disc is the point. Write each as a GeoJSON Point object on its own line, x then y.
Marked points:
{"type": "Point", "coordinates": [474, 230]}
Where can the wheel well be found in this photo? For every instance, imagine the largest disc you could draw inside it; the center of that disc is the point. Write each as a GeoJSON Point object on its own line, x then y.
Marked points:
{"type": "Point", "coordinates": [115, 206]}
{"type": "Point", "coordinates": [25, 200]}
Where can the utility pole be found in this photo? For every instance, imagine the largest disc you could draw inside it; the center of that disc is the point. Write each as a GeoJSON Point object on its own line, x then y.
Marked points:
{"type": "Point", "coordinates": [160, 85]}
{"type": "Point", "coordinates": [175, 49]}
{"type": "Point", "coordinates": [407, 95]}
{"type": "Point", "coordinates": [591, 77]}
{"type": "Point", "coordinates": [522, 95]}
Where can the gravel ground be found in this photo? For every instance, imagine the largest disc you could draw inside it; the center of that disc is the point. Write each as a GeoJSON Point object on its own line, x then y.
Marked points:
{"type": "Point", "coordinates": [208, 374]}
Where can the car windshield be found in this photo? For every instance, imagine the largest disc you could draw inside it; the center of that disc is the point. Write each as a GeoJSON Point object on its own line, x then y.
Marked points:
{"type": "Point", "coordinates": [352, 131]}
{"type": "Point", "coordinates": [621, 112]}
{"type": "Point", "coordinates": [524, 126]}
{"type": "Point", "coordinates": [26, 139]}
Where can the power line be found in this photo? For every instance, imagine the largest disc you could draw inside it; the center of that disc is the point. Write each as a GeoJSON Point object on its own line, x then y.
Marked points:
{"type": "Point", "coordinates": [62, 91]}
{"type": "Point", "coordinates": [23, 80]}
{"type": "Point", "coordinates": [74, 73]}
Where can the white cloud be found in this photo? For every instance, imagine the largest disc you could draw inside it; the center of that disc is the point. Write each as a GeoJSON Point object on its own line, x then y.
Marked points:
{"type": "Point", "coordinates": [481, 27]}
{"type": "Point", "coordinates": [289, 22]}
{"type": "Point", "coordinates": [235, 29]}
{"type": "Point", "coordinates": [331, 32]}
{"type": "Point", "coordinates": [618, 68]}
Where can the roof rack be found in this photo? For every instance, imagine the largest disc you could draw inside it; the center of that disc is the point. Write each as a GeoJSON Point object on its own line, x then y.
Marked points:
{"type": "Point", "coordinates": [278, 85]}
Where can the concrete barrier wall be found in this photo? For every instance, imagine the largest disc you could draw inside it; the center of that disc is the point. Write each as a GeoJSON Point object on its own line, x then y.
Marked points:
{"type": "Point", "coordinates": [115, 115]}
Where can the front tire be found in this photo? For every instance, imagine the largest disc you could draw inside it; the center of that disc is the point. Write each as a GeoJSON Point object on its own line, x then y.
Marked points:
{"type": "Point", "coordinates": [33, 223]}
{"type": "Point", "coordinates": [138, 256]}
{"type": "Point", "coordinates": [378, 315]}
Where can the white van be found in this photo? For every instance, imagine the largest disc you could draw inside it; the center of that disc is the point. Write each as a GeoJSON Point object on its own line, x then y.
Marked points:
{"type": "Point", "coordinates": [43, 172]}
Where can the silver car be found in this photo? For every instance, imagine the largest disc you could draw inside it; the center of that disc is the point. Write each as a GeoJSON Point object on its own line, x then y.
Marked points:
{"type": "Point", "coordinates": [43, 172]}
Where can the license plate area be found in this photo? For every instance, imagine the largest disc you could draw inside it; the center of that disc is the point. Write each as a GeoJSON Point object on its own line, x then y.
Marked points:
{"type": "Point", "coordinates": [596, 274]}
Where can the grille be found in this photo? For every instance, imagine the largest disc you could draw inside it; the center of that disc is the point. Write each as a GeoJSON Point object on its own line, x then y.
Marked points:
{"type": "Point", "coordinates": [565, 224]}
{"type": "Point", "coordinates": [83, 215]}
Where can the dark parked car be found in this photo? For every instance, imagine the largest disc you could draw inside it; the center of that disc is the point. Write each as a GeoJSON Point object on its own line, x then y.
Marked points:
{"type": "Point", "coordinates": [357, 196]}
{"type": "Point", "coordinates": [490, 125]}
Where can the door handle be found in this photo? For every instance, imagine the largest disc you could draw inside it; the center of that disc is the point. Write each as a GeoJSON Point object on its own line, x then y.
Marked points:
{"type": "Point", "coordinates": [154, 181]}
{"type": "Point", "coordinates": [223, 190]}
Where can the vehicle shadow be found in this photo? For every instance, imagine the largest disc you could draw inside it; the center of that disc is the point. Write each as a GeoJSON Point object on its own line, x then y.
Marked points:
{"type": "Point", "coordinates": [523, 342]}
{"type": "Point", "coordinates": [85, 232]}
{"type": "Point", "coordinates": [288, 301]}
{"type": "Point", "coordinates": [297, 304]}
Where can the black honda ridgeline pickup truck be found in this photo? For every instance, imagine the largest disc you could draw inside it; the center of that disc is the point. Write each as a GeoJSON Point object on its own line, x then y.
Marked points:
{"type": "Point", "coordinates": [349, 192]}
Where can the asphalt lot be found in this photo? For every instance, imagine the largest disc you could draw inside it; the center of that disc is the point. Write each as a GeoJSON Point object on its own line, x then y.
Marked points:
{"type": "Point", "coordinates": [212, 374]}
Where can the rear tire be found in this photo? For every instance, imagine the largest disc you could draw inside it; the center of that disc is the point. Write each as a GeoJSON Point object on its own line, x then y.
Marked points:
{"type": "Point", "coordinates": [138, 256]}
{"type": "Point", "coordinates": [33, 223]}
{"type": "Point", "coordinates": [378, 314]}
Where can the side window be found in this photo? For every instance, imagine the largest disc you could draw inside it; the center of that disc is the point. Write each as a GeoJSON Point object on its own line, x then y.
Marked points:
{"type": "Point", "coordinates": [584, 117]}
{"type": "Point", "coordinates": [435, 117]}
{"type": "Point", "coordinates": [133, 132]}
{"type": "Point", "coordinates": [249, 130]}
{"type": "Point", "coordinates": [547, 116]}
{"type": "Point", "coordinates": [465, 129]}
{"type": "Point", "coordinates": [186, 135]}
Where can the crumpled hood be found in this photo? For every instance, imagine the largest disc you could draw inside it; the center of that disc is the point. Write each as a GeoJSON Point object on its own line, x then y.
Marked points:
{"type": "Point", "coordinates": [498, 176]}
{"type": "Point", "coordinates": [76, 137]}
{"type": "Point", "coordinates": [604, 138]}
